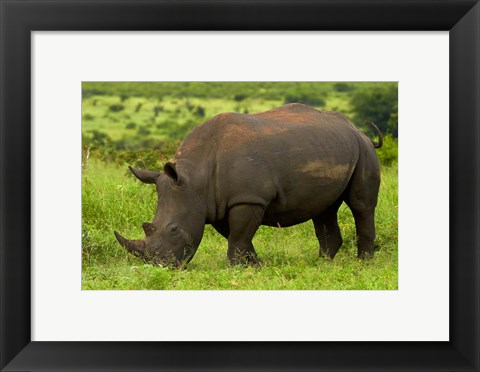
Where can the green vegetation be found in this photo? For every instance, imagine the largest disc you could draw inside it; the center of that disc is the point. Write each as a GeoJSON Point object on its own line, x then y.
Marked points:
{"type": "Point", "coordinates": [141, 124]}
{"type": "Point", "coordinates": [378, 104]}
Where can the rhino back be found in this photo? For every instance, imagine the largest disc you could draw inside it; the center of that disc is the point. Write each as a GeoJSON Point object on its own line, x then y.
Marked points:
{"type": "Point", "coordinates": [294, 160]}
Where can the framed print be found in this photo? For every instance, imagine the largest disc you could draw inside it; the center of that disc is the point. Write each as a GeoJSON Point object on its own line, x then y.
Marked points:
{"type": "Point", "coordinates": [46, 49]}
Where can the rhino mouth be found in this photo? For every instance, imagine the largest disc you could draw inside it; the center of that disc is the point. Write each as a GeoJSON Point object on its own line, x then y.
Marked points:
{"type": "Point", "coordinates": [163, 262]}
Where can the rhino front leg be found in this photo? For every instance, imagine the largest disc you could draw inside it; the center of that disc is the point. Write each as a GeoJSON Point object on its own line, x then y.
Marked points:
{"type": "Point", "coordinates": [222, 228]}
{"type": "Point", "coordinates": [243, 221]}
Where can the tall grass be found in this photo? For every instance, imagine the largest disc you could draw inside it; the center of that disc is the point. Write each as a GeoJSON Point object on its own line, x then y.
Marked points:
{"type": "Point", "coordinates": [289, 255]}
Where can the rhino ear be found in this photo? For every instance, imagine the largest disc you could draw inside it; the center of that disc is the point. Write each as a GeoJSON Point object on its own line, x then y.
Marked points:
{"type": "Point", "coordinates": [145, 176]}
{"type": "Point", "coordinates": [149, 228]}
{"type": "Point", "coordinates": [171, 171]}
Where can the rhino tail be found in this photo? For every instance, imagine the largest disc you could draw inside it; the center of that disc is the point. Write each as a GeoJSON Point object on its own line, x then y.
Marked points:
{"type": "Point", "coordinates": [378, 144]}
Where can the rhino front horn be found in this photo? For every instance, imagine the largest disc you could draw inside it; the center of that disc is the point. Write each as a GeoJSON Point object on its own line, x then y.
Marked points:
{"type": "Point", "coordinates": [137, 247]}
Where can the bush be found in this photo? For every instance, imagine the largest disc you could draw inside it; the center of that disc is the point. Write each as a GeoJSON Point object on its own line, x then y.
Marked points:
{"type": "Point", "coordinates": [88, 117]}
{"type": "Point", "coordinates": [131, 125]}
{"type": "Point", "coordinates": [388, 153]}
{"type": "Point", "coordinates": [393, 122]}
{"type": "Point", "coordinates": [343, 87]}
{"type": "Point", "coordinates": [200, 111]}
{"type": "Point", "coordinates": [157, 109]}
{"type": "Point", "coordinates": [189, 105]}
{"type": "Point", "coordinates": [312, 100]}
{"type": "Point", "coordinates": [96, 138]}
{"type": "Point", "coordinates": [150, 157]}
{"type": "Point", "coordinates": [138, 107]}
{"type": "Point", "coordinates": [378, 104]}
{"type": "Point", "coordinates": [143, 131]}
{"type": "Point", "coordinates": [167, 125]}
{"type": "Point", "coordinates": [116, 108]}
{"type": "Point", "coordinates": [239, 97]}
{"type": "Point", "coordinates": [143, 159]}
{"type": "Point", "coordinates": [113, 119]}
{"type": "Point", "coordinates": [179, 131]}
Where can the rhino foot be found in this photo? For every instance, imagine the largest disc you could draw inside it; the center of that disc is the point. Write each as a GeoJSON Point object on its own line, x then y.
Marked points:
{"type": "Point", "coordinates": [247, 259]}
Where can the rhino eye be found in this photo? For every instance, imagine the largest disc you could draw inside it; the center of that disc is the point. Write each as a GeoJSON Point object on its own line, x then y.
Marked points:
{"type": "Point", "coordinates": [174, 230]}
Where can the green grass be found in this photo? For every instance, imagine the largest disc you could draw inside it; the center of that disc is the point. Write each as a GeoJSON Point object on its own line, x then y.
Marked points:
{"type": "Point", "coordinates": [97, 115]}
{"type": "Point", "coordinates": [175, 119]}
{"type": "Point", "coordinates": [289, 255]}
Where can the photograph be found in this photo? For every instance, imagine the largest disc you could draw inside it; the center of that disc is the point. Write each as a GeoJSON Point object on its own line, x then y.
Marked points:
{"type": "Point", "coordinates": [239, 185]}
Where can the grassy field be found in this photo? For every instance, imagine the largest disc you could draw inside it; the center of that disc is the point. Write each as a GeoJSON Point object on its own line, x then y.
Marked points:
{"type": "Point", "coordinates": [289, 255]}
{"type": "Point", "coordinates": [112, 199]}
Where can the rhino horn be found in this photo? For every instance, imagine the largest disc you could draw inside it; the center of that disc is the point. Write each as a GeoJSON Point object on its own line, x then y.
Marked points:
{"type": "Point", "coordinates": [137, 247]}
{"type": "Point", "coordinates": [144, 175]}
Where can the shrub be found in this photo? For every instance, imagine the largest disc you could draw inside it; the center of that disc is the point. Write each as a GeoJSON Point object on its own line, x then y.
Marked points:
{"type": "Point", "coordinates": [96, 138]}
{"type": "Point", "coordinates": [140, 158]}
{"type": "Point", "coordinates": [143, 131]}
{"type": "Point", "coordinates": [200, 111]}
{"type": "Point", "coordinates": [378, 104]}
{"type": "Point", "coordinates": [116, 108]}
{"type": "Point", "coordinates": [305, 98]}
{"type": "Point", "coordinates": [157, 109]}
{"type": "Point", "coordinates": [239, 97]}
{"type": "Point", "coordinates": [167, 124]}
{"type": "Point", "coordinates": [148, 157]}
{"type": "Point", "coordinates": [131, 125]}
{"type": "Point", "coordinates": [138, 107]}
{"type": "Point", "coordinates": [123, 97]}
{"type": "Point", "coordinates": [388, 153]}
{"type": "Point", "coordinates": [189, 105]}
{"type": "Point", "coordinates": [343, 87]}
{"type": "Point", "coordinates": [393, 122]}
{"type": "Point", "coordinates": [88, 117]}
{"type": "Point", "coordinates": [179, 131]}
{"type": "Point", "coordinates": [113, 119]}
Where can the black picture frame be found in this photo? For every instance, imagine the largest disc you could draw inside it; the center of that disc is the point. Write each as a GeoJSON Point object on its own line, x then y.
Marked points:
{"type": "Point", "coordinates": [18, 18]}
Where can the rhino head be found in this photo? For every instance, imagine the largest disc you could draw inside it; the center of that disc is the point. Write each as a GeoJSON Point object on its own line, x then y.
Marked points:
{"type": "Point", "coordinates": [173, 236]}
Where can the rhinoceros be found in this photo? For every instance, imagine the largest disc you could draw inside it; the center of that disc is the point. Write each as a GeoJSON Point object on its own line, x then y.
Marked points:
{"type": "Point", "coordinates": [277, 168]}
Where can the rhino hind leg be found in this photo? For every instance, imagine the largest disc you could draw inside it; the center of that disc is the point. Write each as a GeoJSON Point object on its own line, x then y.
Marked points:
{"type": "Point", "coordinates": [365, 224]}
{"type": "Point", "coordinates": [361, 197]}
{"type": "Point", "coordinates": [243, 221]}
{"type": "Point", "coordinates": [328, 232]}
